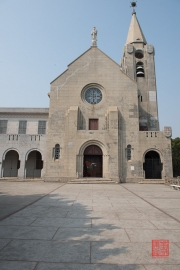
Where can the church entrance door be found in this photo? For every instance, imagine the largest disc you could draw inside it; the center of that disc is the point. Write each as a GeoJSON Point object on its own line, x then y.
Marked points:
{"type": "Point", "coordinates": [93, 161]}
{"type": "Point", "coordinates": [152, 165]}
{"type": "Point", "coordinates": [11, 164]}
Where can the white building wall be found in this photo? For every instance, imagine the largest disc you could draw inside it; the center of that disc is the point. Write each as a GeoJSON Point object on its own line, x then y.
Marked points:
{"type": "Point", "coordinates": [32, 127]}
{"type": "Point", "coordinates": [23, 144]}
{"type": "Point", "coordinates": [12, 126]}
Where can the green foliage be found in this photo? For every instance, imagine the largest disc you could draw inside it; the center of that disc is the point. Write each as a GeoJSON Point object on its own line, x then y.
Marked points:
{"type": "Point", "coordinates": [176, 156]}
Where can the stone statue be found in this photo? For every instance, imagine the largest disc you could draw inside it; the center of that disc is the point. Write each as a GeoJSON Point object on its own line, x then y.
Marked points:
{"type": "Point", "coordinates": [94, 36]}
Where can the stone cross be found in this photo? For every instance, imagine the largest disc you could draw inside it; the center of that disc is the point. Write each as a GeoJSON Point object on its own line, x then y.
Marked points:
{"type": "Point", "coordinates": [94, 36]}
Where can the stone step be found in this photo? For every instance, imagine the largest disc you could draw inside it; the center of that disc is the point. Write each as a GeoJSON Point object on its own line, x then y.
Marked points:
{"type": "Point", "coordinates": [153, 181]}
{"type": "Point", "coordinates": [91, 181]}
{"type": "Point", "coordinates": [16, 179]}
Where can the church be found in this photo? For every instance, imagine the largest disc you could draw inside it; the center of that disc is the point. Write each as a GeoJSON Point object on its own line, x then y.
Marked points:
{"type": "Point", "coordinates": [102, 122]}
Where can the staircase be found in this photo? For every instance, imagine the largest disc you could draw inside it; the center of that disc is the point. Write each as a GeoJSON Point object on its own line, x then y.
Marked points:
{"type": "Point", "coordinates": [92, 180]}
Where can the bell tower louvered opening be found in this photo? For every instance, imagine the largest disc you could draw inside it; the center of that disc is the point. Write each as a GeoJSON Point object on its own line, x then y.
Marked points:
{"type": "Point", "coordinates": [139, 69]}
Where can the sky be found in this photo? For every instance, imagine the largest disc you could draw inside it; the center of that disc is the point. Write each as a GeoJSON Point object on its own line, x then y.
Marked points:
{"type": "Point", "coordinates": [39, 38]}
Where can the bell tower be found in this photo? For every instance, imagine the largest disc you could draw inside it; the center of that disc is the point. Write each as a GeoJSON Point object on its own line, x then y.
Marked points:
{"type": "Point", "coordinates": [138, 64]}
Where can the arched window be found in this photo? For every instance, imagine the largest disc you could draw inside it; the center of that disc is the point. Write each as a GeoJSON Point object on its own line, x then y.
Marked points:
{"type": "Point", "coordinates": [128, 152]}
{"type": "Point", "coordinates": [57, 151]}
{"type": "Point", "coordinates": [139, 69]}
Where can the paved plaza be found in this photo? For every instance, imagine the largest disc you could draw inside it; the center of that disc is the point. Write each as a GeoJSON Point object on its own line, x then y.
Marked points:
{"type": "Point", "coordinates": [54, 226]}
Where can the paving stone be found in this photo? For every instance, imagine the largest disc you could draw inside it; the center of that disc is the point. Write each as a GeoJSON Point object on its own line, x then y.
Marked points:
{"type": "Point", "coordinates": [130, 253]}
{"type": "Point", "coordinates": [7, 210]}
{"type": "Point", "coordinates": [175, 214]}
{"type": "Point", "coordinates": [178, 244]}
{"type": "Point", "coordinates": [90, 234]}
{"type": "Point", "coordinates": [92, 214]}
{"type": "Point", "coordinates": [164, 202]}
{"type": "Point", "coordinates": [166, 224]}
{"type": "Point", "coordinates": [5, 265]}
{"type": "Point", "coordinates": [123, 224]}
{"type": "Point", "coordinates": [16, 220]}
{"type": "Point", "coordinates": [62, 222]}
{"type": "Point", "coordinates": [81, 207]}
{"type": "Point", "coordinates": [27, 232]}
{"type": "Point", "coordinates": [90, 225]}
{"type": "Point", "coordinates": [143, 235]}
{"type": "Point", "coordinates": [4, 242]}
{"type": "Point", "coordinates": [21, 200]}
{"type": "Point", "coordinates": [163, 267]}
{"type": "Point", "coordinates": [148, 216]}
{"type": "Point", "coordinates": [62, 266]}
{"type": "Point", "coordinates": [47, 251]}
{"type": "Point", "coordinates": [31, 212]}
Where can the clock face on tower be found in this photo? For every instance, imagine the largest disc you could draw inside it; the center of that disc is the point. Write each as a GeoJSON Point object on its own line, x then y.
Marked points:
{"type": "Point", "coordinates": [93, 95]}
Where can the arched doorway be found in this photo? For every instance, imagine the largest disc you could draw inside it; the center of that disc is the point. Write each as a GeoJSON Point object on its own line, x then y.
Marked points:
{"type": "Point", "coordinates": [152, 165]}
{"type": "Point", "coordinates": [34, 165]}
{"type": "Point", "coordinates": [92, 161]}
{"type": "Point", "coordinates": [11, 164]}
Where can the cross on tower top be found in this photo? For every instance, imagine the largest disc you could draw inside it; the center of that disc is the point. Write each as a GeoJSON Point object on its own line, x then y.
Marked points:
{"type": "Point", "coordinates": [133, 5]}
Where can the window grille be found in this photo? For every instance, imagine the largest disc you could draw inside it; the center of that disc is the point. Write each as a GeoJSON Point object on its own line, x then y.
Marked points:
{"type": "Point", "coordinates": [42, 127]}
{"type": "Point", "coordinates": [22, 127]}
{"type": "Point", "coordinates": [57, 151]}
{"type": "Point", "coordinates": [128, 152]}
{"type": "Point", "coordinates": [3, 126]}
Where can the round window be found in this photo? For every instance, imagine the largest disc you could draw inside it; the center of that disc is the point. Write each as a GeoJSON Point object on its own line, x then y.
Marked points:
{"type": "Point", "coordinates": [139, 54]}
{"type": "Point", "coordinates": [93, 95]}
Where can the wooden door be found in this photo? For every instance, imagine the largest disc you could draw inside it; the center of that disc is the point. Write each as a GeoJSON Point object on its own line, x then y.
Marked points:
{"type": "Point", "coordinates": [11, 164]}
{"type": "Point", "coordinates": [93, 163]}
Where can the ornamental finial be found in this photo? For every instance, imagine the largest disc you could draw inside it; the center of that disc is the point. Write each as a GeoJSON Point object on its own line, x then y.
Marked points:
{"type": "Point", "coordinates": [94, 36]}
{"type": "Point", "coordinates": [133, 5]}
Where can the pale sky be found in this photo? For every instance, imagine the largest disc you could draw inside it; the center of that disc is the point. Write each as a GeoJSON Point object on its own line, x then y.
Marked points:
{"type": "Point", "coordinates": [39, 38]}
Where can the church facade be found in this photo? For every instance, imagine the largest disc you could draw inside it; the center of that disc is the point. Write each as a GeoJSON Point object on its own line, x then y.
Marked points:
{"type": "Point", "coordinates": [102, 121]}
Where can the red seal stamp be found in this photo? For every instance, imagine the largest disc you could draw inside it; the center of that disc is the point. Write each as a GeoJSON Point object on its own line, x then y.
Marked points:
{"type": "Point", "coordinates": [160, 248]}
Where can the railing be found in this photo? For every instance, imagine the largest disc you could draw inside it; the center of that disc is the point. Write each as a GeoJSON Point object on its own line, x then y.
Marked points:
{"type": "Point", "coordinates": [151, 134]}
{"type": "Point", "coordinates": [172, 181]}
{"type": "Point", "coordinates": [19, 137]}
{"type": "Point", "coordinates": [13, 137]}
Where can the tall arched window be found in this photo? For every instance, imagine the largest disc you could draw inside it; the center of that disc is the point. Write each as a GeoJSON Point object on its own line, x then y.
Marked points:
{"type": "Point", "coordinates": [128, 152]}
{"type": "Point", "coordinates": [57, 151]}
{"type": "Point", "coordinates": [139, 69]}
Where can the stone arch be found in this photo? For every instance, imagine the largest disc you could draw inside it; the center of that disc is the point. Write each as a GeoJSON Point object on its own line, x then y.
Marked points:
{"type": "Point", "coordinates": [151, 149]}
{"type": "Point", "coordinates": [152, 165]}
{"type": "Point", "coordinates": [33, 163]}
{"type": "Point", "coordinates": [92, 142]}
{"type": "Point", "coordinates": [32, 149]}
{"type": "Point", "coordinates": [80, 158]}
{"type": "Point", "coordinates": [12, 148]}
{"type": "Point", "coordinates": [10, 163]}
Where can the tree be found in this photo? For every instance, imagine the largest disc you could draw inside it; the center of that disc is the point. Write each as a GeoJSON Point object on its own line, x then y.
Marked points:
{"type": "Point", "coordinates": [175, 143]}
